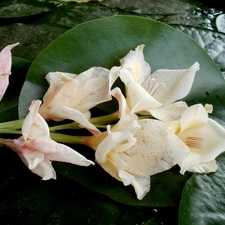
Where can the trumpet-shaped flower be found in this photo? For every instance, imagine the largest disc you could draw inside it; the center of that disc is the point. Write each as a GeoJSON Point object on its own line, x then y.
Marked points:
{"type": "Point", "coordinates": [154, 93]}
{"type": "Point", "coordinates": [5, 68]}
{"type": "Point", "coordinates": [37, 149]}
{"type": "Point", "coordinates": [72, 96]}
{"type": "Point", "coordinates": [203, 136]}
{"type": "Point", "coordinates": [132, 150]}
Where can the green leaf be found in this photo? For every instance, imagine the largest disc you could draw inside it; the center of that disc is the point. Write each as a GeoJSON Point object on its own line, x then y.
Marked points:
{"type": "Point", "coordinates": [203, 197]}
{"type": "Point", "coordinates": [9, 103]}
{"type": "Point", "coordinates": [102, 43]}
{"type": "Point", "coordinates": [166, 187]}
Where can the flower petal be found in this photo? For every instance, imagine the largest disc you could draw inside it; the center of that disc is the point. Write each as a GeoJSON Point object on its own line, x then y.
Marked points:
{"type": "Point", "coordinates": [193, 117]}
{"type": "Point", "coordinates": [178, 83]}
{"type": "Point", "coordinates": [206, 167]}
{"type": "Point", "coordinates": [127, 117]}
{"type": "Point", "coordinates": [5, 68]}
{"type": "Point", "coordinates": [212, 137]}
{"type": "Point", "coordinates": [157, 149]}
{"type": "Point", "coordinates": [60, 112]}
{"type": "Point", "coordinates": [45, 170]}
{"type": "Point", "coordinates": [138, 99]}
{"type": "Point", "coordinates": [134, 67]}
{"type": "Point", "coordinates": [141, 186]}
{"type": "Point", "coordinates": [6, 59]}
{"type": "Point", "coordinates": [34, 125]}
{"type": "Point", "coordinates": [169, 112]}
{"type": "Point", "coordinates": [68, 155]}
{"type": "Point", "coordinates": [119, 140]}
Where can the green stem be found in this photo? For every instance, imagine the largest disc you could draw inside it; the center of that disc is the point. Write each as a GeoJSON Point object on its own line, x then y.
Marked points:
{"type": "Point", "coordinates": [15, 124]}
{"type": "Point", "coordinates": [10, 131]}
{"type": "Point", "coordinates": [72, 125]}
{"type": "Point", "coordinates": [99, 122]}
{"type": "Point", "coordinates": [105, 119]}
{"type": "Point", "coordinates": [67, 139]}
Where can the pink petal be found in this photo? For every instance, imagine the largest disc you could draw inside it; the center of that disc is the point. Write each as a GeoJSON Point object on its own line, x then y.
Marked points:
{"type": "Point", "coordinates": [6, 59]}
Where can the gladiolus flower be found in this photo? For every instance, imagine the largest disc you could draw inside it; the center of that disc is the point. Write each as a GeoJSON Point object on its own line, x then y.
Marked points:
{"type": "Point", "coordinates": [5, 68]}
{"type": "Point", "coordinates": [72, 96]}
{"type": "Point", "coordinates": [132, 150]}
{"type": "Point", "coordinates": [203, 136]}
{"type": "Point", "coordinates": [37, 149]}
{"type": "Point", "coordinates": [155, 93]}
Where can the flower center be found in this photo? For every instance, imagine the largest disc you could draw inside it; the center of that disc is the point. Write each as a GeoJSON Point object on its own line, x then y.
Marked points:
{"type": "Point", "coordinates": [153, 86]}
{"type": "Point", "coordinates": [195, 142]}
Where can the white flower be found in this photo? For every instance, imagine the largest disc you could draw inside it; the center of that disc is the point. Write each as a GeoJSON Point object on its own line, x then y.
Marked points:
{"type": "Point", "coordinates": [72, 96]}
{"type": "Point", "coordinates": [132, 150]}
{"type": "Point", "coordinates": [154, 93]}
{"type": "Point", "coordinates": [203, 136]}
{"type": "Point", "coordinates": [37, 149]}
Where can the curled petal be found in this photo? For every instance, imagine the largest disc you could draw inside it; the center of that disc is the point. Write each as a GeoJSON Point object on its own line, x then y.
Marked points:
{"type": "Point", "coordinates": [193, 117]}
{"type": "Point", "coordinates": [209, 140]}
{"type": "Point", "coordinates": [118, 140]}
{"type": "Point", "coordinates": [45, 170]}
{"type": "Point", "coordinates": [34, 125]}
{"type": "Point", "coordinates": [125, 114]}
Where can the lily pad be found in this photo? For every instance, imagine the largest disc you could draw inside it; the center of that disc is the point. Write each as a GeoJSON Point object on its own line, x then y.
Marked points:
{"type": "Point", "coordinates": [203, 198]}
{"type": "Point", "coordinates": [102, 43]}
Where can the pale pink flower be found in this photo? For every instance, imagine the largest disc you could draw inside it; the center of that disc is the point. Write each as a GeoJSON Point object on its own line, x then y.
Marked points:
{"type": "Point", "coordinates": [37, 149]}
{"type": "Point", "coordinates": [5, 68]}
{"type": "Point", "coordinates": [72, 96]}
